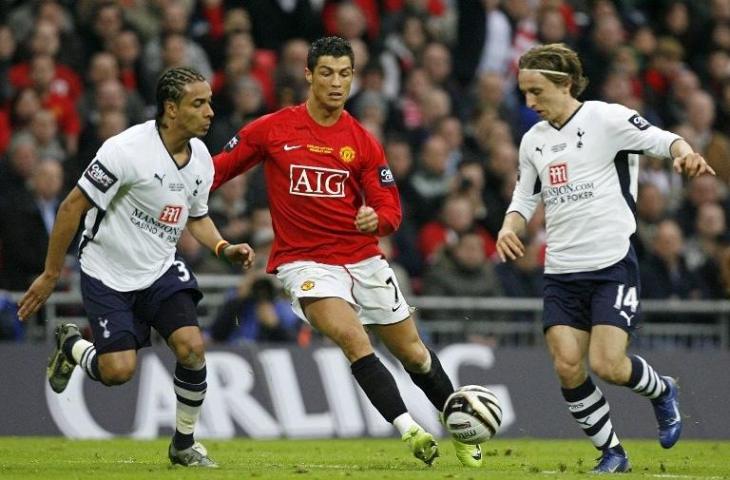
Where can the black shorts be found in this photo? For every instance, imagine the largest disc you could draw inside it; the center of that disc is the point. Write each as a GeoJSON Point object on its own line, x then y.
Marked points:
{"type": "Point", "coordinates": [609, 296]}
{"type": "Point", "coordinates": [114, 315]}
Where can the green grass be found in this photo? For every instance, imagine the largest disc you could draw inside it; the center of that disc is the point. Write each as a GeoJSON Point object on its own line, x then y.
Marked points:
{"type": "Point", "coordinates": [57, 458]}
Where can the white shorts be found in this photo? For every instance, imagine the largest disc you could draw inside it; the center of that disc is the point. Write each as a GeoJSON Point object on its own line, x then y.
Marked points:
{"type": "Point", "coordinates": [369, 286]}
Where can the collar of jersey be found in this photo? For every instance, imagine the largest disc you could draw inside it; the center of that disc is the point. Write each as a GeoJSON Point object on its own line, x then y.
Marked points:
{"type": "Point", "coordinates": [569, 118]}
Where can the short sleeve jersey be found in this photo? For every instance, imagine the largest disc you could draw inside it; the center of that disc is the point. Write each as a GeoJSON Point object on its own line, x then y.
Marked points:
{"type": "Point", "coordinates": [142, 200]}
{"type": "Point", "coordinates": [586, 175]}
{"type": "Point", "coordinates": [316, 179]}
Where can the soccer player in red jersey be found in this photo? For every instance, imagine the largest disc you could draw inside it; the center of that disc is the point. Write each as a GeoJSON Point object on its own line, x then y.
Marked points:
{"type": "Point", "coordinates": [331, 195]}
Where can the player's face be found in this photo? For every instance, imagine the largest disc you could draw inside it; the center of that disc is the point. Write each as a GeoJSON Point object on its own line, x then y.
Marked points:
{"type": "Point", "coordinates": [552, 102]}
{"type": "Point", "coordinates": [330, 81]}
{"type": "Point", "coordinates": [195, 112]}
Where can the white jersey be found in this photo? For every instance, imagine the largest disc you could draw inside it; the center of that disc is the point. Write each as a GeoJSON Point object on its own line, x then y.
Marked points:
{"type": "Point", "coordinates": [586, 174]}
{"type": "Point", "coordinates": [142, 201]}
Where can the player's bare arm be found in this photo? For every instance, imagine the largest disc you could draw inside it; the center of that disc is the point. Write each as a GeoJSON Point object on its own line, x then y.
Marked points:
{"type": "Point", "coordinates": [67, 222]}
{"type": "Point", "coordinates": [205, 232]}
{"type": "Point", "coordinates": [688, 161]}
{"type": "Point", "coordinates": [366, 220]}
{"type": "Point", "coordinates": [509, 245]}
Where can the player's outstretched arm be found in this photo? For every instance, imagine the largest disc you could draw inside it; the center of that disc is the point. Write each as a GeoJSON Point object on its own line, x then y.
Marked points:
{"type": "Point", "coordinates": [204, 231]}
{"type": "Point", "coordinates": [67, 222]}
{"type": "Point", "coordinates": [688, 161]}
{"type": "Point", "coordinates": [509, 245]}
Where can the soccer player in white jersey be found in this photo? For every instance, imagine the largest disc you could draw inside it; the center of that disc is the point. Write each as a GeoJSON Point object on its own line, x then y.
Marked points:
{"type": "Point", "coordinates": [142, 189]}
{"type": "Point", "coordinates": [580, 162]}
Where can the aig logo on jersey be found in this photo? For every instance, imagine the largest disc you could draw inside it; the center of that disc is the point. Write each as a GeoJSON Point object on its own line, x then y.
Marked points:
{"type": "Point", "coordinates": [558, 174]}
{"type": "Point", "coordinates": [317, 181]}
{"type": "Point", "coordinates": [99, 176]}
{"type": "Point", "coordinates": [171, 214]}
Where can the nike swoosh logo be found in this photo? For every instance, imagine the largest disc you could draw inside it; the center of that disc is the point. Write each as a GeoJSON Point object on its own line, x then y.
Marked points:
{"type": "Point", "coordinates": [288, 148]}
{"type": "Point", "coordinates": [397, 307]}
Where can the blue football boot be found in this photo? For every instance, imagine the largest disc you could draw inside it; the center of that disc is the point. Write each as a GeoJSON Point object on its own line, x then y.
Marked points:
{"type": "Point", "coordinates": [666, 410]}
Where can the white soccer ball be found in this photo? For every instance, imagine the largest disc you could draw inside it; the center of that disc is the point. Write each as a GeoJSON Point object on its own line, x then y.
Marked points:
{"type": "Point", "coordinates": [472, 414]}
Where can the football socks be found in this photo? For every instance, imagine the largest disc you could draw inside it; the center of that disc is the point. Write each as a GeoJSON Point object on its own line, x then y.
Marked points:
{"type": "Point", "coordinates": [83, 354]}
{"type": "Point", "coordinates": [435, 383]}
{"type": "Point", "coordinates": [190, 388]}
{"type": "Point", "coordinates": [591, 411]}
{"type": "Point", "coordinates": [644, 380]}
{"type": "Point", "coordinates": [379, 385]}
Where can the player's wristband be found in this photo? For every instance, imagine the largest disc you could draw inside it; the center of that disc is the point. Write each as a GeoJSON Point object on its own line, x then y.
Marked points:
{"type": "Point", "coordinates": [220, 246]}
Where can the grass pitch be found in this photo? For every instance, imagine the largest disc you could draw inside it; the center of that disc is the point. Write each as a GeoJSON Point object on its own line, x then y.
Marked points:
{"type": "Point", "coordinates": [57, 458]}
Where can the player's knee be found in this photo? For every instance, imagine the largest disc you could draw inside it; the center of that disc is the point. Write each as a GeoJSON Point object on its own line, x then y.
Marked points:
{"type": "Point", "coordinates": [415, 358]}
{"type": "Point", "coordinates": [567, 369]}
{"type": "Point", "coordinates": [116, 373]}
{"type": "Point", "coordinates": [190, 353]}
{"type": "Point", "coordinates": [606, 368]}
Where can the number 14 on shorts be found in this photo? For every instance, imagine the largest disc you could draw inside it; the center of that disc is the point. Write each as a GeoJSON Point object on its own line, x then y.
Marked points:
{"type": "Point", "coordinates": [630, 299]}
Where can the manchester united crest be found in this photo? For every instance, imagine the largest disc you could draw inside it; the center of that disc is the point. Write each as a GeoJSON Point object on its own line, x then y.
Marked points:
{"type": "Point", "coordinates": [307, 285]}
{"type": "Point", "coordinates": [347, 154]}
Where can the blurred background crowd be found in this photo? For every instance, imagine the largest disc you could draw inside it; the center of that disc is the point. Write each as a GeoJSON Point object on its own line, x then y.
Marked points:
{"type": "Point", "coordinates": [435, 83]}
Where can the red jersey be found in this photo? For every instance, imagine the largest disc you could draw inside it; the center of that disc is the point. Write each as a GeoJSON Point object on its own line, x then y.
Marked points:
{"type": "Point", "coordinates": [317, 178]}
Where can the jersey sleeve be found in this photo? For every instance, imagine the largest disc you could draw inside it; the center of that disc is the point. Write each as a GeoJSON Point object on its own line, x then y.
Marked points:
{"type": "Point", "coordinates": [199, 205]}
{"type": "Point", "coordinates": [526, 195]}
{"type": "Point", "coordinates": [106, 173]}
{"type": "Point", "coordinates": [634, 132]}
{"type": "Point", "coordinates": [242, 152]}
{"type": "Point", "coordinates": [380, 190]}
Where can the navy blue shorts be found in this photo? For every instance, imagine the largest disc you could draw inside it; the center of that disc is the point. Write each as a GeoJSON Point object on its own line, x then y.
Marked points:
{"type": "Point", "coordinates": [114, 316]}
{"type": "Point", "coordinates": [609, 296]}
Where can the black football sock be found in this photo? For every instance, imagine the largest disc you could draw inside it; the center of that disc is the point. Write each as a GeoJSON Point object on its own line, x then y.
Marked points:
{"type": "Point", "coordinates": [435, 383]}
{"type": "Point", "coordinates": [190, 388]}
{"type": "Point", "coordinates": [379, 385]}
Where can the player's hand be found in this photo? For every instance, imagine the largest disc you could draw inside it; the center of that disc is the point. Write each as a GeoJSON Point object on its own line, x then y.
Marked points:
{"type": "Point", "coordinates": [366, 220]}
{"type": "Point", "coordinates": [693, 164]}
{"type": "Point", "coordinates": [509, 245]}
{"type": "Point", "coordinates": [36, 295]}
{"type": "Point", "coordinates": [240, 253]}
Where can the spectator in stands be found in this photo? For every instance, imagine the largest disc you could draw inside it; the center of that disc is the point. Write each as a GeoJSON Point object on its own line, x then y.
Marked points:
{"type": "Point", "coordinates": [43, 131]}
{"type": "Point", "coordinates": [127, 50]}
{"type": "Point", "coordinates": [456, 219]}
{"type": "Point", "coordinates": [7, 54]}
{"type": "Point", "coordinates": [710, 235]}
{"type": "Point", "coordinates": [430, 182]}
{"type": "Point", "coordinates": [42, 68]}
{"type": "Point", "coordinates": [714, 145]}
{"type": "Point", "coordinates": [664, 274]}
{"type": "Point", "coordinates": [175, 20]}
{"type": "Point", "coordinates": [26, 221]}
{"type": "Point", "coordinates": [651, 208]}
{"type": "Point", "coordinates": [462, 270]}
{"type": "Point", "coordinates": [17, 168]}
{"type": "Point", "coordinates": [700, 190]}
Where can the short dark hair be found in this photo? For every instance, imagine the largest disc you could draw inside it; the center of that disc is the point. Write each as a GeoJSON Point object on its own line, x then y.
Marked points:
{"type": "Point", "coordinates": [329, 46]}
{"type": "Point", "coordinates": [557, 57]}
{"type": "Point", "coordinates": [171, 84]}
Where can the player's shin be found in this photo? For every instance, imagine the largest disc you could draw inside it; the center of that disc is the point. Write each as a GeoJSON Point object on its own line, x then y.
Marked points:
{"type": "Point", "coordinates": [190, 388]}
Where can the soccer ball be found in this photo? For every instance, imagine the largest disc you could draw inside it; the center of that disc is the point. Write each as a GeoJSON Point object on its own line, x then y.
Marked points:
{"type": "Point", "coordinates": [472, 414]}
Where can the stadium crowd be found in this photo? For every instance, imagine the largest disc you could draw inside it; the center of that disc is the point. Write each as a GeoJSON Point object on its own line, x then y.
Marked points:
{"type": "Point", "coordinates": [435, 83]}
